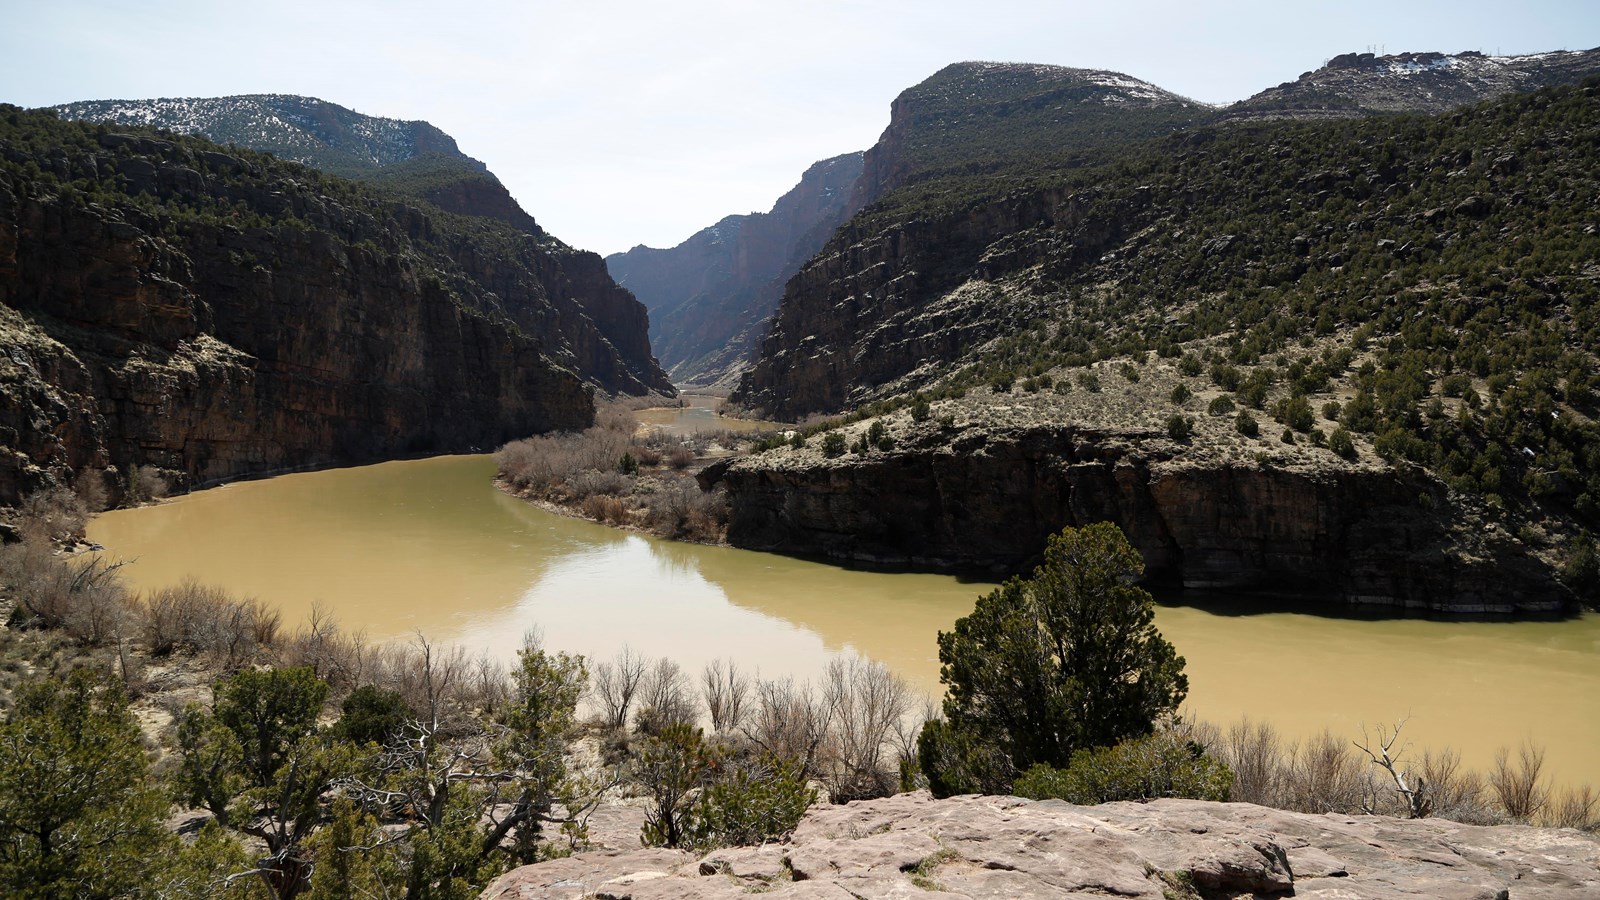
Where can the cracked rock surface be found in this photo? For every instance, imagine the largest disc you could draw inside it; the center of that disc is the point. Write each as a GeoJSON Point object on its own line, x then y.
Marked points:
{"type": "Point", "coordinates": [1005, 847]}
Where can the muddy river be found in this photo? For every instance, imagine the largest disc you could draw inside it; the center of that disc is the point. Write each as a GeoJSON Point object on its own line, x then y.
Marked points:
{"type": "Point", "coordinates": [429, 546]}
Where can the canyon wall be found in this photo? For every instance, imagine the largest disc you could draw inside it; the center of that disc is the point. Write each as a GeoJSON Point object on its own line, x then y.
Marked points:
{"type": "Point", "coordinates": [164, 303]}
{"type": "Point", "coordinates": [986, 499]}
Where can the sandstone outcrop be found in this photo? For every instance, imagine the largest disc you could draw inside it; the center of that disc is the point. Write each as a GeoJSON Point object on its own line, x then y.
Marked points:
{"type": "Point", "coordinates": [986, 498]}
{"type": "Point", "coordinates": [911, 845]}
{"type": "Point", "coordinates": [216, 315]}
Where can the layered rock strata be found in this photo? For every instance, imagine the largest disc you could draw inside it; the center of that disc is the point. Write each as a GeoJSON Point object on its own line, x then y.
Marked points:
{"type": "Point", "coordinates": [986, 499]}
{"type": "Point", "coordinates": [215, 315]}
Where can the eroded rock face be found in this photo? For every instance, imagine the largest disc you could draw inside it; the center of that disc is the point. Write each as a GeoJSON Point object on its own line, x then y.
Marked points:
{"type": "Point", "coordinates": [911, 845]}
{"type": "Point", "coordinates": [988, 498]}
{"type": "Point", "coordinates": [215, 350]}
{"type": "Point", "coordinates": [712, 295]}
{"type": "Point", "coordinates": [878, 303]}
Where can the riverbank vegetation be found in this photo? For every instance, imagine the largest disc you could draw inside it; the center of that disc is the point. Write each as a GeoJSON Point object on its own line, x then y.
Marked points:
{"type": "Point", "coordinates": [621, 475]}
{"type": "Point", "coordinates": [186, 743]}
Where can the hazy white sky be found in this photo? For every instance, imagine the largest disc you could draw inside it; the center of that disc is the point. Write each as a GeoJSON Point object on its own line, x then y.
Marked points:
{"type": "Point", "coordinates": [618, 123]}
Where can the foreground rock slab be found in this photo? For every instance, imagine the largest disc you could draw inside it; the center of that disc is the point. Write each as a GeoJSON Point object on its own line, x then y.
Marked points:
{"type": "Point", "coordinates": [1005, 847]}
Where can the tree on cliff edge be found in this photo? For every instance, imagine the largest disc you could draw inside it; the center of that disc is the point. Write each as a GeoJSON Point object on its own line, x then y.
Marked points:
{"type": "Point", "coordinates": [1068, 659]}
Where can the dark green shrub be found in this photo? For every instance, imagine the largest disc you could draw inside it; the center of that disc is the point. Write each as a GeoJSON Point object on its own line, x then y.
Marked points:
{"type": "Point", "coordinates": [1145, 768]}
{"type": "Point", "coordinates": [1245, 424]}
{"type": "Point", "coordinates": [753, 803]}
{"type": "Point", "coordinates": [921, 411]}
{"type": "Point", "coordinates": [1341, 444]}
{"type": "Point", "coordinates": [832, 444]}
{"type": "Point", "coordinates": [1181, 394]}
{"type": "Point", "coordinates": [1226, 376]}
{"type": "Point", "coordinates": [1045, 666]}
{"type": "Point", "coordinates": [1089, 381]}
{"type": "Point", "coordinates": [1581, 569]}
{"type": "Point", "coordinates": [1294, 412]}
{"type": "Point", "coordinates": [877, 436]}
{"type": "Point", "coordinates": [671, 765]}
{"type": "Point", "coordinates": [1220, 406]}
{"type": "Point", "coordinates": [1179, 428]}
{"type": "Point", "coordinates": [371, 714]}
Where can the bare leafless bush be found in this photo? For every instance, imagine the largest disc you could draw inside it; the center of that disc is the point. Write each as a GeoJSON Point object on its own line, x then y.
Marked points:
{"type": "Point", "coordinates": [682, 510]}
{"type": "Point", "coordinates": [906, 732]}
{"type": "Point", "coordinates": [82, 595]}
{"type": "Point", "coordinates": [604, 509]}
{"type": "Point", "coordinates": [436, 682]}
{"type": "Point", "coordinates": [592, 483]}
{"type": "Point", "coordinates": [665, 698]}
{"type": "Point", "coordinates": [342, 659]}
{"type": "Point", "coordinates": [1518, 784]}
{"type": "Point", "coordinates": [865, 703]}
{"type": "Point", "coordinates": [616, 685]}
{"type": "Point", "coordinates": [647, 454]}
{"type": "Point", "coordinates": [789, 722]}
{"type": "Point", "coordinates": [547, 461]}
{"type": "Point", "coordinates": [725, 690]}
{"type": "Point", "coordinates": [489, 686]}
{"type": "Point", "coordinates": [1256, 755]}
{"type": "Point", "coordinates": [680, 457]}
{"type": "Point", "coordinates": [90, 486]}
{"type": "Point", "coordinates": [204, 620]}
{"type": "Point", "coordinates": [146, 483]}
{"type": "Point", "coordinates": [1325, 775]}
{"type": "Point", "coordinates": [618, 416]}
{"type": "Point", "coordinates": [172, 615]}
{"type": "Point", "coordinates": [57, 513]}
{"type": "Point", "coordinates": [1455, 793]}
{"type": "Point", "coordinates": [1574, 808]}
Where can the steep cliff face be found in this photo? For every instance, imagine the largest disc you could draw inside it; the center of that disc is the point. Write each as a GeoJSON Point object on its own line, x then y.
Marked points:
{"type": "Point", "coordinates": [604, 330]}
{"type": "Point", "coordinates": [218, 315]}
{"type": "Point", "coordinates": [1357, 84]}
{"type": "Point", "coordinates": [1419, 282]}
{"type": "Point", "coordinates": [986, 499]}
{"type": "Point", "coordinates": [883, 303]}
{"type": "Point", "coordinates": [710, 297]}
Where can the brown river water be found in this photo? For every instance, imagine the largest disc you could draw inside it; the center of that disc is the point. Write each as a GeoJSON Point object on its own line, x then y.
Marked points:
{"type": "Point", "coordinates": [700, 412]}
{"type": "Point", "coordinates": [431, 546]}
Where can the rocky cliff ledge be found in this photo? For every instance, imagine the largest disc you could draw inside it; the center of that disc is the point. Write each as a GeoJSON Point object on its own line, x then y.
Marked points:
{"type": "Point", "coordinates": [911, 845]}
{"type": "Point", "coordinates": [217, 315]}
{"type": "Point", "coordinates": [981, 495]}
